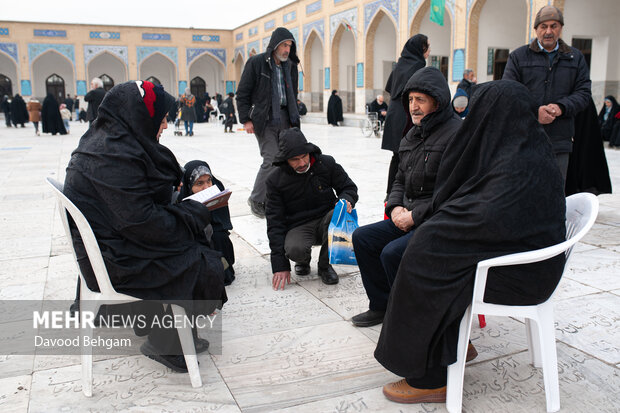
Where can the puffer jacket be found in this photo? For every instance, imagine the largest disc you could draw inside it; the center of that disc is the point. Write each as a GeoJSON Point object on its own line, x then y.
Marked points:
{"type": "Point", "coordinates": [294, 199]}
{"type": "Point", "coordinates": [254, 91]}
{"type": "Point", "coordinates": [565, 82]}
{"type": "Point", "coordinates": [422, 147]}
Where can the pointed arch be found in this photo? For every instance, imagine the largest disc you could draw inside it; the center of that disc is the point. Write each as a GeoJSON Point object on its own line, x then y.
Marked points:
{"type": "Point", "coordinates": [48, 62]}
{"type": "Point", "coordinates": [371, 35]}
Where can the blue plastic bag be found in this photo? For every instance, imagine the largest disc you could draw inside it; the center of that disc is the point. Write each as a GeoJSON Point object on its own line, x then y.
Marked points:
{"type": "Point", "coordinates": [340, 232]}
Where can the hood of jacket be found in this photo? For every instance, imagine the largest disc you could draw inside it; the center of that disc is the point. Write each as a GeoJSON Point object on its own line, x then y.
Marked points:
{"type": "Point", "coordinates": [278, 36]}
{"type": "Point", "coordinates": [293, 143]}
{"type": "Point", "coordinates": [429, 81]}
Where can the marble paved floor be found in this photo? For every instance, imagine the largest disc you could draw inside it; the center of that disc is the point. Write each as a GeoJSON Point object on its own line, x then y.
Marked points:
{"type": "Point", "coordinates": [293, 351]}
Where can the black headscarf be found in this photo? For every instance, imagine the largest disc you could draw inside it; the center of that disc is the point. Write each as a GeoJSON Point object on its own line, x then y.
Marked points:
{"type": "Point", "coordinates": [220, 218]}
{"type": "Point", "coordinates": [121, 178]}
{"type": "Point", "coordinates": [499, 192]}
{"type": "Point", "coordinates": [411, 60]}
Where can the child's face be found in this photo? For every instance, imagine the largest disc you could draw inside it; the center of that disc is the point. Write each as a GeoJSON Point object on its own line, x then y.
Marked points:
{"type": "Point", "coordinates": [201, 183]}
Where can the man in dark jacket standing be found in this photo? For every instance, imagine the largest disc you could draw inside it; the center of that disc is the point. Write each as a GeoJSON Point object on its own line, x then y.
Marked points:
{"type": "Point", "coordinates": [300, 203]}
{"type": "Point", "coordinates": [267, 104]}
{"type": "Point", "coordinates": [469, 79]}
{"type": "Point", "coordinates": [380, 246]}
{"type": "Point", "coordinates": [557, 76]}
{"type": "Point", "coordinates": [94, 98]}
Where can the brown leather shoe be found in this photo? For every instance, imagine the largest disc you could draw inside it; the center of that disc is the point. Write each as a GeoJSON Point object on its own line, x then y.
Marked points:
{"type": "Point", "coordinates": [472, 353]}
{"type": "Point", "coordinates": [401, 392]}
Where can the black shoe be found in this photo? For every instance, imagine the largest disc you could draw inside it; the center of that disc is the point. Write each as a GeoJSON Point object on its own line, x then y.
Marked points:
{"type": "Point", "coordinates": [328, 275]}
{"type": "Point", "coordinates": [302, 269]}
{"type": "Point", "coordinates": [176, 363]}
{"type": "Point", "coordinates": [257, 208]}
{"type": "Point", "coordinates": [368, 318]}
{"type": "Point", "coordinates": [201, 345]}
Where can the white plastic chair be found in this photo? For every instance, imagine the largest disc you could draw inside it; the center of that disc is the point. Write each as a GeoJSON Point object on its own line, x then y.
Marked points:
{"type": "Point", "coordinates": [92, 300]}
{"type": "Point", "coordinates": [581, 212]}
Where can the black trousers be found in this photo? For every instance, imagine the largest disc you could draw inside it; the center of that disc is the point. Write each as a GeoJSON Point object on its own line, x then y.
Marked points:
{"type": "Point", "coordinates": [299, 241]}
{"type": "Point", "coordinates": [434, 378]}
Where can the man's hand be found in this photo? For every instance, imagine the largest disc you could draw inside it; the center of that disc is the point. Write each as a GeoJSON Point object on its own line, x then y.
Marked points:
{"type": "Point", "coordinates": [396, 212]}
{"type": "Point", "coordinates": [554, 109]}
{"type": "Point", "coordinates": [281, 278]}
{"type": "Point", "coordinates": [545, 115]}
{"type": "Point", "coordinates": [349, 206]}
{"type": "Point", "coordinates": [383, 113]}
{"type": "Point", "coordinates": [404, 220]}
{"type": "Point", "coordinates": [249, 128]}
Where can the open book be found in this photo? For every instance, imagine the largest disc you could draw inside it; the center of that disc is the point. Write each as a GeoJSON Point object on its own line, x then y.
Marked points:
{"type": "Point", "coordinates": [212, 197]}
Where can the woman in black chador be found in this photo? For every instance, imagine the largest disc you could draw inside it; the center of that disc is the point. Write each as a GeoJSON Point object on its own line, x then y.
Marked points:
{"type": "Point", "coordinates": [334, 109]}
{"type": "Point", "coordinates": [500, 192]}
{"type": "Point", "coordinates": [197, 177]}
{"type": "Point", "coordinates": [412, 58]}
{"type": "Point", "coordinates": [19, 112]}
{"type": "Point", "coordinates": [121, 178]}
{"type": "Point", "coordinates": [50, 116]}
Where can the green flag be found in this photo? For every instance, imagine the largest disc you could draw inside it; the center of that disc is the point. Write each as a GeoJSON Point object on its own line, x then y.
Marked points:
{"type": "Point", "coordinates": [437, 8]}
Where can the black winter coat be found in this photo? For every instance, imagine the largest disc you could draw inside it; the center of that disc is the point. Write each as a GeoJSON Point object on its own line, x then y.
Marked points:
{"type": "Point", "coordinates": [422, 148]}
{"type": "Point", "coordinates": [254, 93]}
{"type": "Point", "coordinates": [565, 82]}
{"type": "Point", "coordinates": [294, 199]}
{"type": "Point", "coordinates": [94, 99]}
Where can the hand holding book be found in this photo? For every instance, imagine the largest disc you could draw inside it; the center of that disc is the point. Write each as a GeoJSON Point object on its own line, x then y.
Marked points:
{"type": "Point", "coordinates": [212, 197]}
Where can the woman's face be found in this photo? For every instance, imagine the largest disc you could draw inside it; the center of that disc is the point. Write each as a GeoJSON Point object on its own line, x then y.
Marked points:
{"type": "Point", "coordinates": [201, 183]}
{"type": "Point", "coordinates": [428, 51]}
{"type": "Point", "coordinates": [608, 103]}
{"type": "Point", "coordinates": [163, 125]}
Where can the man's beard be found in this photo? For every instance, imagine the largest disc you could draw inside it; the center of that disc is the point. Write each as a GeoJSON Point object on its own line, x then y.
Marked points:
{"type": "Point", "coordinates": [303, 171]}
{"type": "Point", "coordinates": [282, 58]}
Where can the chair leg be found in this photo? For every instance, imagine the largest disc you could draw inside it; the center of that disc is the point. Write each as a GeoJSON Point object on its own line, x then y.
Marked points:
{"type": "Point", "coordinates": [189, 350]}
{"type": "Point", "coordinates": [87, 351]}
{"type": "Point", "coordinates": [533, 342]}
{"type": "Point", "coordinates": [456, 371]}
{"type": "Point", "coordinates": [546, 330]}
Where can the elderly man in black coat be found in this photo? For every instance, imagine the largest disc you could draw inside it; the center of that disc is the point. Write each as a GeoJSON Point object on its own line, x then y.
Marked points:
{"type": "Point", "coordinates": [94, 99]}
{"type": "Point", "coordinates": [558, 78]}
{"type": "Point", "coordinates": [380, 246]}
{"type": "Point", "coordinates": [300, 203]}
{"type": "Point", "coordinates": [267, 104]}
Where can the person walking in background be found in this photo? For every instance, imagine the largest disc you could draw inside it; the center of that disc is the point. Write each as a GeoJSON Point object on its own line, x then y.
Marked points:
{"type": "Point", "coordinates": [188, 113]}
{"type": "Point", "coordinates": [19, 112]}
{"type": "Point", "coordinates": [469, 79]}
{"type": "Point", "coordinates": [228, 110]}
{"type": "Point", "coordinates": [6, 108]}
{"type": "Point", "coordinates": [76, 105]}
{"type": "Point", "coordinates": [34, 112]}
{"type": "Point", "coordinates": [69, 102]}
{"type": "Point", "coordinates": [94, 98]}
{"type": "Point", "coordinates": [50, 116]}
{"type": "Point", "coordinates": [334, 109]}
{"type": "Point", "coordinates": [65, 114]}
{"type": "Point", "coordinates": [412, 58]}
{"type": "Point", "coordinates": [267, 104]}
{"type": "Point", "coordinates": [607, 116]}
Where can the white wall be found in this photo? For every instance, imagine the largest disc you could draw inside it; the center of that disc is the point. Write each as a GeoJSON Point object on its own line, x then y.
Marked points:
{"type": "Point", "coordinates": [316, 64]}
{"type": "Point", "coordinates": [210, 71]}
{"type": "Point", "coordinates": [8, 69]}
{"type": "Point", "coordinates": [597, 20]}
{"type": "Point", "coordinates": [384, 49]}
{"type": "Point", "coordinates": [109, 65]}
{"type": "Point", "coordinates": [163, 69]}
{"type": "Point", "coordinates": [501, 26]}
{"type": "Point", "coordinates": [47, 64]}
{"type": "Point", "coordinates": [346, 58]}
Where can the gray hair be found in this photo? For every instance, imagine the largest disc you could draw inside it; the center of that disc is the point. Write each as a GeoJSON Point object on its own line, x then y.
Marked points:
{"type": "Point", "coordinates": [467, 71]}
{"type": "Point", "coordinates": [97, 81]}
{"type": "Point", "coordinates": [379, 96]}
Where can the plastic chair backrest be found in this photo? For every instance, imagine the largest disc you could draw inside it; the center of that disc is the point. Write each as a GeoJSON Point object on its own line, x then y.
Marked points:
{"type": "Point", "coordinates": [68, 208]}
